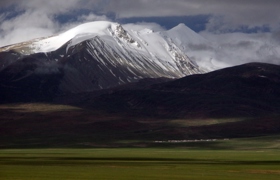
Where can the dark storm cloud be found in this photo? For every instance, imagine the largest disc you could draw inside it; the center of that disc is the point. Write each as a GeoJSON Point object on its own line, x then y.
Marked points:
{"type": "Point", "coordinates": [196, 23]}
{"type": "Point", "coordinates": [228, 12]}
{"type": "Point", "coordinates": [4, 3]}
{"type": "Point", "coordinates": [225, 13]}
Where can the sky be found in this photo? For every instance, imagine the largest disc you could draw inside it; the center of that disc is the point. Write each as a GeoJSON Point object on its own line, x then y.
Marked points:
{"type": "Point", "coordinates": [242, 30]}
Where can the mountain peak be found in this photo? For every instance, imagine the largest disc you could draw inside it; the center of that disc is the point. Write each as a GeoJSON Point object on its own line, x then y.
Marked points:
{"type": "Point", "coordinates": [182, 27]}
{"type": "Point", "coordinates": [184, 36]}
{"type": "Point", "coordinates": [99, 55]}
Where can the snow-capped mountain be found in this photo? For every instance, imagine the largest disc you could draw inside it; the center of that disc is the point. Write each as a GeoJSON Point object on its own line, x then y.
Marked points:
{"type": "Point", "coordinates": [100, 55]}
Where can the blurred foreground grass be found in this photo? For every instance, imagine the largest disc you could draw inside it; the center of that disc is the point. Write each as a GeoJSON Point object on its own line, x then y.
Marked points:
{"type": "Point", "coordinates": [139, 163]}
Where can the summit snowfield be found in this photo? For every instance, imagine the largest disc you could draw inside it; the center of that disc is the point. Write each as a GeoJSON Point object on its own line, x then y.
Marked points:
{"type": "Point", "coordinates": [100, 55]}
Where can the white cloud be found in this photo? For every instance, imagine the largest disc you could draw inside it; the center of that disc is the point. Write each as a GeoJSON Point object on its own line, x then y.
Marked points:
{"type": "Point", "coordinates": [92, 17]}
{"type": "Point", "coordinates": [140, 26]}
{"type": "Point", "coordinates": [29, 25]}
{"type": "Point", "coordinates": [82, 19]}
{"type": "Point", "coordinates": [236, 48]}
{"type": "Point", "coordinates": [37, 20]}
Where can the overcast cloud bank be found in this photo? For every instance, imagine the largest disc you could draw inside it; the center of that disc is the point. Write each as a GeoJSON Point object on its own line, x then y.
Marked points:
{"type": "Point", "coordinates": [28, 19]}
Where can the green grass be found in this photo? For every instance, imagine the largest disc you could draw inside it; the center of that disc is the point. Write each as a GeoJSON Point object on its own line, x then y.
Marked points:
{"type": "Point", "coordinates": [137, 163]}
{"type": "Point", "coordinates": [243, 158]}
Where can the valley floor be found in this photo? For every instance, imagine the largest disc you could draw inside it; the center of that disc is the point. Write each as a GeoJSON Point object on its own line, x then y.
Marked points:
{"type": "Point", "coordinates": [33, 137]}
{"type": "Point", "coordinates": [139, 163]}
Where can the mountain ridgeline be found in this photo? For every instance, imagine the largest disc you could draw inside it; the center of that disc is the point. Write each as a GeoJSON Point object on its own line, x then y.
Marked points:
{"type": "Point", "coordinates": [101, 83]}
{"type": "Point", "coordinates": [101, 57]}
{"type": "Point", "coordinates": [248, 90]}
{"type": "Point", "coordinates": [241, 101]}
{"type": "Point", "coordinates": [92, 56]}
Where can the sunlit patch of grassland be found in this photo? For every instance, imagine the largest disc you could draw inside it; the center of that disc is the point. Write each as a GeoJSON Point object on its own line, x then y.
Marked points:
{"type": "Point", "coordinates": [257, 143]}
{"type": "Point", "coordinates": [38, 107]}
{"type": "Point", "coordinates": [201, 122]}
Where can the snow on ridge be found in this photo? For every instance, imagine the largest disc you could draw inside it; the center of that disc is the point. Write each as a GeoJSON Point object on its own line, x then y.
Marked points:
{"type": "Point", "coordinates": [161, 47]}
{"type": "Point", "coordinates": [145, 37]}
{"type": "Point", "coordinates": [82, 32]}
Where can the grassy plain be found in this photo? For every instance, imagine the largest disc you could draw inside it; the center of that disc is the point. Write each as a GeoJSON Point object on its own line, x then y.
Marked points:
{"type": "Point", "coordinates": [225, 159]}
{"type": "Point", "coordinates": [139, 163]}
